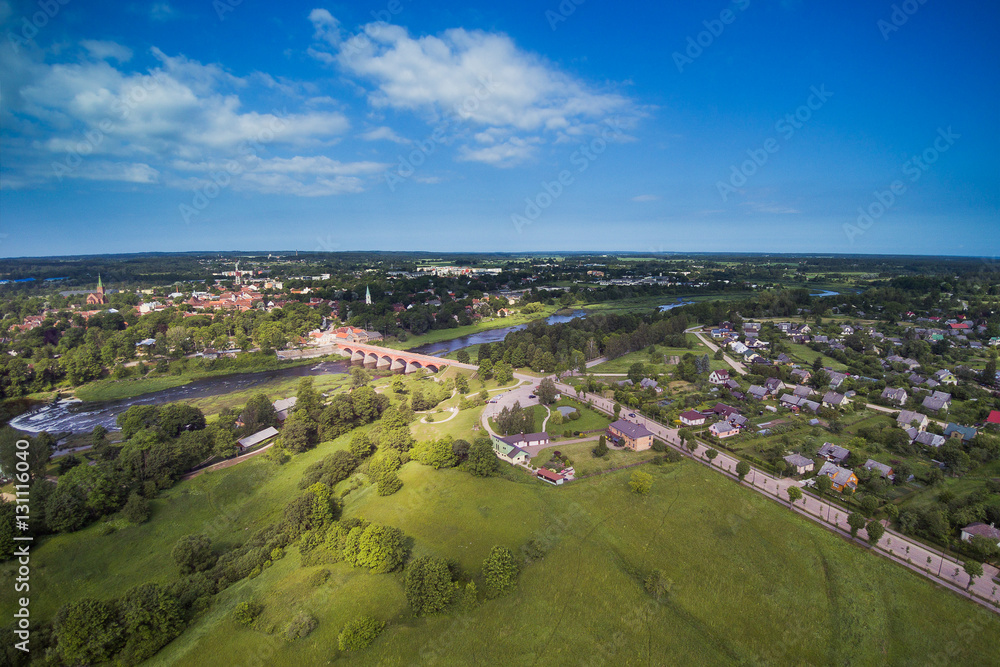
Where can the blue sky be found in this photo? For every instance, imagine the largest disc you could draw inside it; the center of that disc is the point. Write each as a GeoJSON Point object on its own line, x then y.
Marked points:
{"type": "Point", "coordinates": [781, 126]}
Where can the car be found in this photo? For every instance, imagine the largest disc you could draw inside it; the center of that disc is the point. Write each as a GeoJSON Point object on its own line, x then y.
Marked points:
{"type": "Point", "coordinates": [531, 396]}
{"type": "Point", "coordinates": [631, 414]}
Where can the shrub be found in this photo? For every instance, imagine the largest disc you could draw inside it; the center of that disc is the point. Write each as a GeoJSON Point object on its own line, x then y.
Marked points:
{"type": "Point", "coordinates": [428, 585]}
{"type": "Point", "coordinates": [640, 482]}
{"type": "Point", "coordinates": [359, 633]}
{"type": "Point", "coordinates": [300, 626]}
{"type": "Point", "coordinates": [319, 578]}
{"type": "Point", "coordinates": [136, 510]}
{"type": "Point", "coordinates": [247, 612]}
{"type": "Point", "coordinates": [389, 484]}
{"type": "Point", "coordinates": [193, 553]}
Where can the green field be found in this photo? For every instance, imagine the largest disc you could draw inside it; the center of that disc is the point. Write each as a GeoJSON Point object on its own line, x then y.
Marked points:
{"type": "Point", "coordinates": [751, 582]}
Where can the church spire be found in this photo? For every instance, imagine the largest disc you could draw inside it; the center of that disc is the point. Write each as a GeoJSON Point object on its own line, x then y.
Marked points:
{"type": "Point", "coordinates": [368, 295]}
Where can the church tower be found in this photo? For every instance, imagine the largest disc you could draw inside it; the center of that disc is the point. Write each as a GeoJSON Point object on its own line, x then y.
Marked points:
{"type": "Point", "coordinates": [97, 297]}
{"type": "Point", "coordinates": [368, 296]}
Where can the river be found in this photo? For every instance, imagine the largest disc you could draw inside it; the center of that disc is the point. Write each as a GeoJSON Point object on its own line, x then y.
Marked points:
{"type": "Point", "coordinates": [79, 417]}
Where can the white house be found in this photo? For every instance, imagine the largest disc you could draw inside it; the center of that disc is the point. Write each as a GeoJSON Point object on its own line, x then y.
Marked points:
{"type": "Point", "coordinates": [718, 377]}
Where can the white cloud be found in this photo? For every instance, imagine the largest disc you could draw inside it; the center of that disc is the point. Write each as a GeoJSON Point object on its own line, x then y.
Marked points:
{"type": "Point", "coordinates": [383, 134]}
{"type": "Point", "coordinates": [140, 127]}
{"type": "Point", "coordinates": [645, 198]}
{"type": "Point", "coordinates": [470, 78]}
{"type": "Point", "coordinates": [161, 11]}
{"type": "Point", "coordinates": [102, 50]}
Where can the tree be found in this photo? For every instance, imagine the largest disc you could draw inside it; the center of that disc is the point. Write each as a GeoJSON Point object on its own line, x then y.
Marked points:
{"type": "Point", "coordinates": [483, 462]}
{"type": "Point", "coordinates": [875, 531]}
{"type": "Point", "coordinates": [462, 356]}
{"type": "Point", "coordinates": [983, 547]}
{"type": "Point", "coordinates": [601, 450]}
{"type": "Point", "coordinates": [503, 373]}
{"type": "Point", "coordinates": [711, 454]}
{"type": "Point", "coordinates": [428, 585]}
{"type": "Point", "coordinates": [856, 521]}
{"type": "Point", "coordinates": [193, 553]}
{"type": "Point", "coordinates": [742, 468]}
{"type": "Point", "coordinates": [380, 548]}
{"type": "Point", "coordinates": [547, 391]}
{"type": "Point", "coordinates": [794, 495]}
{"type": "Point", "coordinates": [360, 446]}
{"type": "Point", "coordinates": [307, 399]}
{"type": "Point", "coordinates": [258, 414]}
{"type": "Point", "coordinates": [88, 631]}
{"type": "Point", "coordinates": [500, 571]}
{"type": "Point", "coordinates": [359, 377]}
{"type": "Point", "coordinates": [974, 569]}
{"type": "Point", "coordinates": [436, 453]}
{"type": "Point", "coordinates": [359, 633]}
{"type": "Point", "coordinates": [151, 617]}
{"type": "Point", "coordinates": [823, 484]}
{"type": "Point", "coordinates": [636, 372]}
{"type": "Point", "coordinates": [640, 482]}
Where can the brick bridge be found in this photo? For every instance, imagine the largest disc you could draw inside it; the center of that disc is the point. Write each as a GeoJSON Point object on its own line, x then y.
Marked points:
{"type": "Point", "coordinates": [380, 357]}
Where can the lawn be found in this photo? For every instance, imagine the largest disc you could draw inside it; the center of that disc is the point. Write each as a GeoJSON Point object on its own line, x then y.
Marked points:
{"type": "Point", "coordinates": [621, 364]}
{"type": "Point", "coordinates": [806, 355]}
{"type": "Point", "coordinates": [584, 463]}
{"type": "Point", "coordinates": [738, 567]}
{"type": "Point", "coordinates": [589, 420]}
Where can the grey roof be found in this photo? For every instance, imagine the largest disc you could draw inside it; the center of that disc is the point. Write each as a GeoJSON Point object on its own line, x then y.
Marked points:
{"type": "Point", "coordinates": [802, 391]}
{"type": "Point", "coordinates": [883, 469]}
{"type": "Point", "coordinates": [798, 461]}
{"type": "Point", "coordinates": [840, 476]}
{"type": "Point", "coordinates": [929, 439]}
{"type": "Point", "coordinates": [757, 391]}
{"type": "Point", "coordinates": [285, 403]}
{"type": "Point", "coordinates": [833, 451]}
{"type": "Point", "coordinates": [524, 439]}
{"type": "Point", "coordinates": [833, 398]}
{"type": "Point", "coordinates": [934, 404]}
{"type": "Point", "coordinates": [258, 437]}
{"type": "Point", "coordinates": [908, 416]}
{"type": "Point", "coordinates": [633, 431]}
{"type": "Point", "coordinates": [980, 528]}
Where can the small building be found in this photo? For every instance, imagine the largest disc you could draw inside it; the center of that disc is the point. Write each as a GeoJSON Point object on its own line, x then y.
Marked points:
{"type": "Point", "coordinates": [842, 478]}
{"type": "Point", "coordinates": [965, 433]}
{"type": "Point", "coordinates": [693, 418]}
{"type": "Point", "coordinates": [909, 418]}
{"type": "Point", "coordinates": [283, 407]}
{"type": "Point", "coordinates": [547, 475]}
{"type": "Point", "coordinates": [757, 392]}
{"type": "Point", "coordinates": [251, 441]}
{"type": "Point", "coordinates": [994, 417]}
{"type": "Point", "coordinates": [718, 377]}
{"type": "Point", "coordinates": [833, 453]}
{"type": "Point", "coordinates": [800, 464]}
{"type": "Point", "coordinates": [882, 469]}
{"type": "Point", "coordinates": [894, 395]}
{"type": "Point", "coordinates": [990, 532]}
{"type": "Point", "coordinates": [935, 403]}
{"type": "Point", "coordinates": [633, 436]}
{"type": "Point", "coordinates": [509, 453]}
{"type": "Point", "coordinates": [723, 429]}
{"type": "Point", "coordinates": [925, 438]}
{"type": "Point", "coordinates": [832, 399]}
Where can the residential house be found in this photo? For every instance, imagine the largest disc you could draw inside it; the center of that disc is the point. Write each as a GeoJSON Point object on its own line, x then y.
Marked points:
{"type": "Point", "coordinates": [833, 453]}
{"type": "Point", "coordinates": [801, 375]}
{"type": "Point", "coordinates": [802, 391]}
{"type": "Point", "coordinates": [994, 417]}
{"type": "Point", "coordinates": [284, 407]}
{"type": "Point", "coordinates": [964, 433]}
{"type": "Point", "coordinates": [773, 385]}
{"type": "Point", "coordinates": [832, 399]}
{"type": "Point", "coordinates": [944, 376]}
{"type": "Point", "coordinates": [723, 429]}
{"type": "Point", "coordinates": [738, 347]}
{"type": "Point", "coordinates": [723, 410]}
{"type": "Point", "coordinates": [800, 464]}
{"type": "Point", "coordinates": [990, 532]}
{"type": "Point", "coordinates": [633, 436]}
{"type": "Point", "coordinates": [799, 403]}
{"type": "Point", "coordinates": [718, 377]}
{"type": "Point", "coordinates": [894, 395]}
{"type": "Point", "coordinates": [647, 383]}
{"type": "Point", "coordinates": [882, 469]}
{"type": "Point", "coordinates": [926, 438]}
{"type": "Point", "coordinates": [937, 401]}
{"type": "Point", "coordinates": [837, 379]}
{"type": "Point", "coordinates": [693, 418]}
{"type": "Point", "coordinates": [757, 392]}
{"type": "Point", "coordinates": [842, 478]}
{"type": "Point", "coordinates": [783, 359]}
{"type": "Point", "coordinates": [907, 418]}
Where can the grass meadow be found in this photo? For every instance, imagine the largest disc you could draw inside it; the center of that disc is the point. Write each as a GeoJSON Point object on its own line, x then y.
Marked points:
{"type": "Point", "coordinates": [749, 581]}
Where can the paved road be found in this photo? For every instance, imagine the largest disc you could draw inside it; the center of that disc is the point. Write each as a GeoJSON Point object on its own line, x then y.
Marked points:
{"type": "Point", "coordinates": [921, 558]}
{"type": "Point", "coordinates": [737, 366]}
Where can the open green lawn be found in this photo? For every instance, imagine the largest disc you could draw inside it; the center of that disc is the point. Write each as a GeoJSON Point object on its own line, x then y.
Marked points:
{"type": "Point", "coordinates": [589, 420]}
{"type": "Point", "coordinates": [621, 364]}
{"type": "Point", "coordinates": [806, 355]}
{"type": "Point", "coordinates": [750, 581]}
{"type": "Point", "coordinates": [584, 463]}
